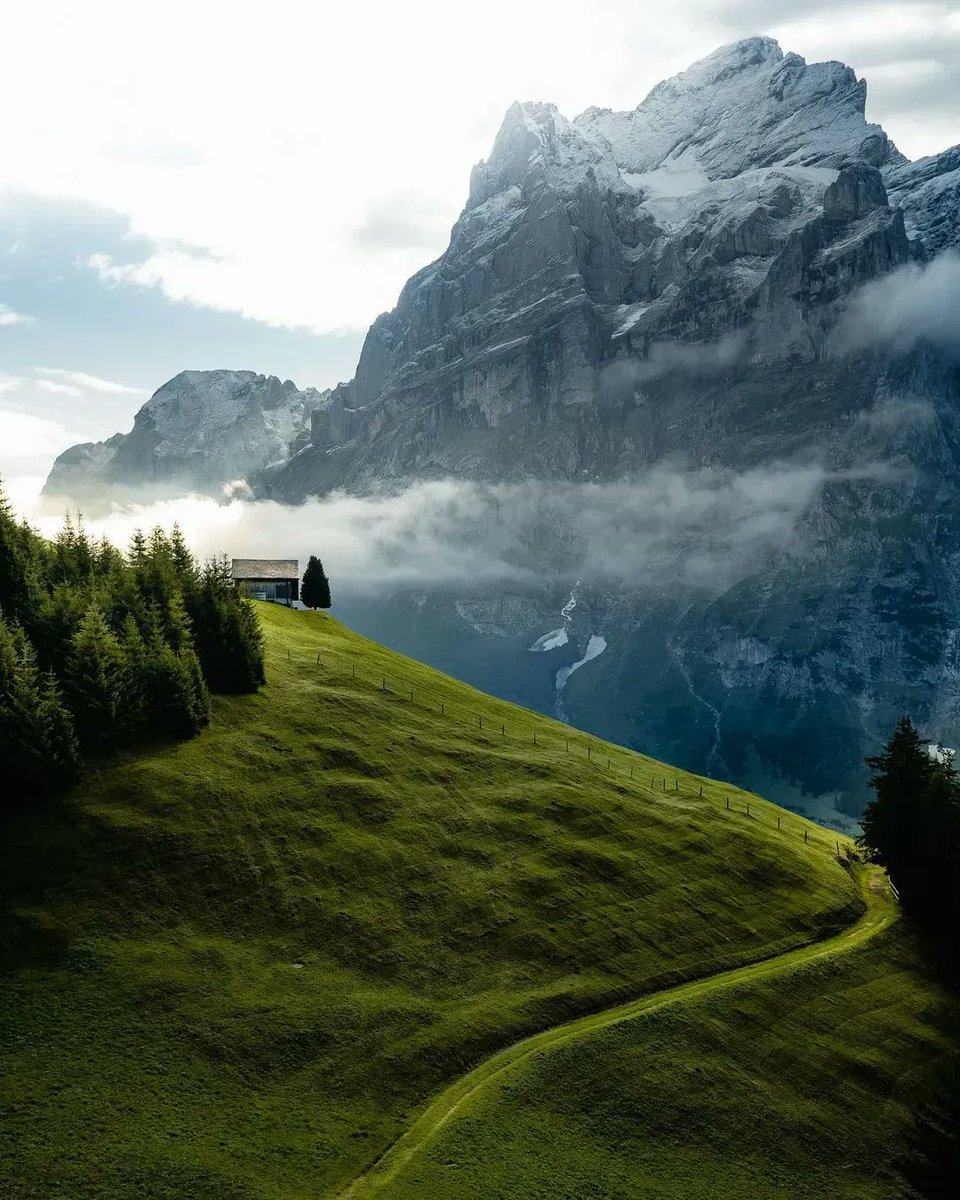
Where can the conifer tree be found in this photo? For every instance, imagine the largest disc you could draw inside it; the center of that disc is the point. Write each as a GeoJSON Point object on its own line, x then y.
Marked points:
{"type": "Point", "coordinates": [180, 555]}
{"type": "Point", "coordinates": [315, 590]}
{"type": "Point", "coordinates": [137, 553]}
{"type": "Point", "coordinates": [36, 733]}
{"type": "Point", "coordinates": [226, 633]}
{"type": "Point", "coordinates": [133, 689]}
{"type": "Point", "coordinates": [94, 677]}
{"type": "Point", "coordinates": [177, 698]}
{"type": "Point", "coordinates": [60, 748]}
{"type": "Point", "coordinates": [13, 581]}
{"type": "Point", "coordinates": [912, 825]}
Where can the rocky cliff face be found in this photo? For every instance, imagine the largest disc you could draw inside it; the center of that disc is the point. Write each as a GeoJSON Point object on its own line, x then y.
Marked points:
{"type": "Point", "coordinates": [198, 432]}
{"type": "Point", "coordinates": [743, 200]}
{"type": "Point", "coordinates": [668, 288]}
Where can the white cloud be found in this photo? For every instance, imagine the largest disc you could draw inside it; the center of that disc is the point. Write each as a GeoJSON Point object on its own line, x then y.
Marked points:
{"type": "Point", "coordinates": [58, 389]}
{"type": "Point", "coordinates": [700, 529]}
{"type": "Point", "coordinates": [284, 145]}
{"type": "Point", "coordinates": [913, 303]}
{"type": "Point", "coordinates": [93, 383]}
{"type": "Point", "coordinates": [9, 317]}
{"type": "Point", "coordinates": [24, 436]}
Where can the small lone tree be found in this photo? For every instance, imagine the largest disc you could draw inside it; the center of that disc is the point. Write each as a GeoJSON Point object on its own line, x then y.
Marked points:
{"type": "Point", "coordinates": [315, 592]}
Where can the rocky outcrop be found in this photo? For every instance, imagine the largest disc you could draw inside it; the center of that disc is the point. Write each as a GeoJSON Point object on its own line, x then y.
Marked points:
{"type": "Point", "coordinates": [928, 192]}
{"type": "Point", "coordinates": [200, 431]}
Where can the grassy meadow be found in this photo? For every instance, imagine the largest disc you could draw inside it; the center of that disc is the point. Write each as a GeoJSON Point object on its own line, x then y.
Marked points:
{"type": "Point", "coordinates": [238, 967]}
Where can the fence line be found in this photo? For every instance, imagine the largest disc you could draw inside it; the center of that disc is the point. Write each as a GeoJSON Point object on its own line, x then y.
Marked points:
{"type": "Point", "coordinates": [385, 690]}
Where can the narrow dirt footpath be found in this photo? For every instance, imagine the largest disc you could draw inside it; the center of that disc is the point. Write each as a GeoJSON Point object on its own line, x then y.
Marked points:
{"type": "Point", "coordinates": [880, 912]}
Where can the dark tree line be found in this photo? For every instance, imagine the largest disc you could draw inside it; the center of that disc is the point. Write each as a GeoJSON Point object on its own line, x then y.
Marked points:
{"type": "Point", "coordinates": [912, 828]}
{"type": "Point", "coordinates": [101, 650]}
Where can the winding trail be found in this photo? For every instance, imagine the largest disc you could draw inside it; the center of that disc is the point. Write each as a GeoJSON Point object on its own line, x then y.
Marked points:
{"type": "Point", "coordinates": [881, 911]}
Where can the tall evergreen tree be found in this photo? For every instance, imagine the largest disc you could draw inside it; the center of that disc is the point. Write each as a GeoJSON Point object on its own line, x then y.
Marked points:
{"type": "Point", "coordinates": [134, 701]}
{"type": "Point", "coordinates": [94, 681]}
{"type": "Point", "coordinates": [226, 632]}
{"type": "Point", "coordinates": [912, 825]}
{"type": "Point", "coordinates": [315, 590]}
{"type": "Point", "coordinates": [13, 567]}
{"type": "Point", "coordinates": [178, 704]}
{"type": "Point", "coordinates": [58, 738]}
{"type": "Point", "coordinates": [180, 554]}
{"type": "Point", "coordinates": [36, 732]}
{"type": "Point", "coordinates": [138, 549]}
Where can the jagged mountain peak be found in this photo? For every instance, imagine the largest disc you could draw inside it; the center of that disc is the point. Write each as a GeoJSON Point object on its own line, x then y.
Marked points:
{"type": "Point", "coordinates": [747, 106]}
{"type": "Point", "coordinates": [536, 139]}
{"type": "Point", "coordinates": [199, 430]}
{"type": "Point", "coordinates": [744, 106]}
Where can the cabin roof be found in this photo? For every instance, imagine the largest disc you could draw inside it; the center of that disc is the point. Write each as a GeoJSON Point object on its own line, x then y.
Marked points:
{"type": "Point", "coordinates": [266, 568]}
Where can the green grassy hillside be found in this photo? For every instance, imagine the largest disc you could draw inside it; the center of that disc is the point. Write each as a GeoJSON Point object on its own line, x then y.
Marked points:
{"type": "Point", "coordinates": [237, 967]}
{"type": "Point", "coordinates": [793, 1079]}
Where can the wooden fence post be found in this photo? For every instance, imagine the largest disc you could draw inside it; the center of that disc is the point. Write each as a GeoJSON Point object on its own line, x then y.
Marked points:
{"type": "Point", "coordinates": [383, 686]}
{"type": "Point", "coordinates": [503, 731]}
{"type": "Point", "coordinates": [728, 804]}
{"type": "Point", "coordinates": [534, 737]}
{"type": "Point", "coordinates": [676, 785]}
{"type": "Point", "coordinates": [701, 791]}
{"type": "Point", "coordinates": [748, 808]}
{"type": "Point", "coordinates": [805, 836]}
{"type": "Point", "coordinates": [778, 822]}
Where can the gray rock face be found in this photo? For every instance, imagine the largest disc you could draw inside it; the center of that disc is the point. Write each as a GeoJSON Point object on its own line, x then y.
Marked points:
{"type": "Point", "coordinates": [198, 432]}
{"type": "Point", "coordinates": [746, 196]}
{"type": "Point", "coordinates": [928, 192]}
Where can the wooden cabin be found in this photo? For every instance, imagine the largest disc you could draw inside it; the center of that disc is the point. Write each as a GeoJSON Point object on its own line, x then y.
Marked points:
{"type": "Point", "coordinates": [275, 579]}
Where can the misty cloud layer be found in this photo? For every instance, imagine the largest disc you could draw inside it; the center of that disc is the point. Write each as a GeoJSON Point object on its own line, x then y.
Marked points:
{"type": "Point", "coordinates": [669, 527]}
{"type": "Point", "coordinates": [624, 375]}
{"type": "Point", "coordinates": [913, 303]}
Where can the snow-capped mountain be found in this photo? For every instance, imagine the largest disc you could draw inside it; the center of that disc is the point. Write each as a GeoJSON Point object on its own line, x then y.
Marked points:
{"type": "Point", "coordinates": [200, 431]}
{"type": "Point", "coordinates": [677, 285]}
{"type": "Point", "coordinates": [745, 197]}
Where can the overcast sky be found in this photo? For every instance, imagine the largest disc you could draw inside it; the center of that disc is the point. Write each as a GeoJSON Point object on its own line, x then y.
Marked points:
{"type": "Point", "coordinates": [233, 184]}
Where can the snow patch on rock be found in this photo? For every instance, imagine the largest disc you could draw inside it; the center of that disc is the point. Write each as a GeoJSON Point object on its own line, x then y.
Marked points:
{"type": "Point", "coordinates": [550, 641]}
{"type": "Point", "coordinates": [595, 647]}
